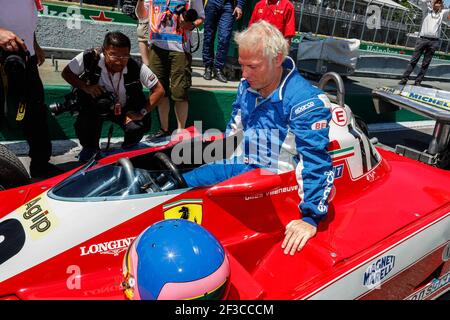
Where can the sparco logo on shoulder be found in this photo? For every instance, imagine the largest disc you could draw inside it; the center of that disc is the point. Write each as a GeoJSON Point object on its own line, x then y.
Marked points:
{"type": "Point", "coordinates": [112, 247]}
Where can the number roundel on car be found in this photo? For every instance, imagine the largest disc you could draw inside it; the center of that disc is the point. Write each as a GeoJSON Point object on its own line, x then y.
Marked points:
{"type": "Point", "coordinates": [12, 239]}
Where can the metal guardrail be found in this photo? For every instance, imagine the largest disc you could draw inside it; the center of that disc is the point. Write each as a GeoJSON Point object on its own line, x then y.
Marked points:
{"type": "Point", "coordinates": [333, 13]}
{"type": "Point", "coordinates": [393, 31]}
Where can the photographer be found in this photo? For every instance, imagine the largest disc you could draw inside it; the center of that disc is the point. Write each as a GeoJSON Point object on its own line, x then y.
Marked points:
{"type": "Point", "coordinates": [170, 52]}
{"type": "Point", "coordinates": [20, 56]}
{"type": "Point", "coordinates": [96, 75]}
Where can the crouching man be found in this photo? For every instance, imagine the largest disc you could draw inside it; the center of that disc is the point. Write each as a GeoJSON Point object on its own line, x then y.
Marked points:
{"type": "Point", "coordinates": [100, 76]}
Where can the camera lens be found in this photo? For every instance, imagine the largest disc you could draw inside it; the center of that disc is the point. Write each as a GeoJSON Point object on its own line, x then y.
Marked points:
{"type": "Point", "coordinates": [105, 103]}
{"type": "Point", "coordinates": [15, 69]}
{"type": "Point", "coordinates": [14, 63]}
{"type": "Point", "coordinates": [56, 108]}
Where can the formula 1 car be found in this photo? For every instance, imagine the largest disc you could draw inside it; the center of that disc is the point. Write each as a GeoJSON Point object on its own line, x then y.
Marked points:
{"type": "Point", "coordinates": [386, 236]}
{"type": "Point", "coordinates": [428, 102]}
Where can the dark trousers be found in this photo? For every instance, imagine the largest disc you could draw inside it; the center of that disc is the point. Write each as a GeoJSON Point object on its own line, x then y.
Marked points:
{"type": "Point", "coordinates": [427, 47]}
{"type": "Point", "coordinates": [218, 18]}
{"type": "Point", "coordinates": [88, 127]}
{"type": "Point", "coordinates": [35, 122]}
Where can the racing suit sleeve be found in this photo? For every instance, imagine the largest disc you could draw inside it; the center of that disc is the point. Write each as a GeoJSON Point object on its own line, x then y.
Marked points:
{"type": "Point", "coordinates": [309, 122]}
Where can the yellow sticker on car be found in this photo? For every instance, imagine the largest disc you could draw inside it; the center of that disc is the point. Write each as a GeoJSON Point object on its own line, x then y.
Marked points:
{"type": "Point", "coordinates": [188, 209]}
{"type": "Point", "coordinates": [37, 217]}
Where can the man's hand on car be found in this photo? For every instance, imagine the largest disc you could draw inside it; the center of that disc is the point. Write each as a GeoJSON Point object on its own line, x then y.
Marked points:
{"type": "Point", "coordinates": [298, 232]}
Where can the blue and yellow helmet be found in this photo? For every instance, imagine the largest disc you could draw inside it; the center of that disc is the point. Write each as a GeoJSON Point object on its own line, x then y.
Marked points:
{"type": "Point", "coordinates": [173, 260]}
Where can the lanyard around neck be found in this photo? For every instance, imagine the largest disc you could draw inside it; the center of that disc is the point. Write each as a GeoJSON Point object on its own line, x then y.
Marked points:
{"type": "Point", "coordinates": [116, 90]}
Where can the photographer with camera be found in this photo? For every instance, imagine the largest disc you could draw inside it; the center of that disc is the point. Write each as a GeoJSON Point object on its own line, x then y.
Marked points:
{"type": "Point", "coordinates": [21, 85]}
{"type": "Point", "coordinates": [170, 26]}
{"type": "Point", "coordinates": [108, 86]}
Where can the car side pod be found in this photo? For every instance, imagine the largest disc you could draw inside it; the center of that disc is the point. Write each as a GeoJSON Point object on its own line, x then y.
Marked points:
{"type": "Point", "coordinates": [266, 181]}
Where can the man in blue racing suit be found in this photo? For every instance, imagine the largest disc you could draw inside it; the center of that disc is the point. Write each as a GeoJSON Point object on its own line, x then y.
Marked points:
{"type": "Point", "coordinates": [284, 122]}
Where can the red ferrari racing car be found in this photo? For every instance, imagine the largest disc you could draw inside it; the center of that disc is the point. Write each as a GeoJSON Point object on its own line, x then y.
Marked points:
{"type": "Point", "coordinates": [386, 236]}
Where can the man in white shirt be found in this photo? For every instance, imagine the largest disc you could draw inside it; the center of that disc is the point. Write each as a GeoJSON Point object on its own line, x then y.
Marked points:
{"type": "Point", "coordinates": [428, 41]}
{"type": "Point", "coordinates": [111, 70]}
{"type": "Point", "coordinates": [25, 93]}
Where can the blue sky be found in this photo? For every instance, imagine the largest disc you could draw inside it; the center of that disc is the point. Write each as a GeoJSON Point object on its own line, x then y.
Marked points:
{"type": "Point", "coordinates": [447, 2]}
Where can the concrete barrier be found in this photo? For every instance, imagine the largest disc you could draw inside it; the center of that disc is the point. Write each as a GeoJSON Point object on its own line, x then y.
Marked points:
{"type": "Point", "coordinates": [61, 41]}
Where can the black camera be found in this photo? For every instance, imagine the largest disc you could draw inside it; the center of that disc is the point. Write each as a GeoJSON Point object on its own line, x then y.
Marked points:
{"type": "Point", "coordinates": [70, 104]}
{"type": "Point", "coordinates": [103, 104]}
{"type": "Point", "coordinates": [189, 15]}
{"type": "Point", "coordinates": [15, 64]}
{"type": "Point", "coordinates": [129, 7]}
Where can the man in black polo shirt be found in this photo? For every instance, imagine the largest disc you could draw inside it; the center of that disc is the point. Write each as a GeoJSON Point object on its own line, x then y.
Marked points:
{"type": "Point", "coordinates": [428, 42]}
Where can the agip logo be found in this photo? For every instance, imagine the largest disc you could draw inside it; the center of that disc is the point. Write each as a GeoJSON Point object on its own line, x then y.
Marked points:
{"type": "Point", "coordinates": [38, 217]}
{"type": "Point", "coordinates": [378, 271]}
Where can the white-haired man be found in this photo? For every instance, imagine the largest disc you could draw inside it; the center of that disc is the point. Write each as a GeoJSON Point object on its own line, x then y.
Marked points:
{"type": "Point", "coordinates": [277, 109]}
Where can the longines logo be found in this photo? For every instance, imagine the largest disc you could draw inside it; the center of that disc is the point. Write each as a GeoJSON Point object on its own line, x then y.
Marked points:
{"type": "Point", "coordinates": [112, 247]}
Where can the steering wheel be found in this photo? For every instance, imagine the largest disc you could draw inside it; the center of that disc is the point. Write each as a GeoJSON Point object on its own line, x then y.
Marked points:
{"type": "Point", "coordinates": [128, 170]}
{"type": "Point", "coordinates": [168, 164]}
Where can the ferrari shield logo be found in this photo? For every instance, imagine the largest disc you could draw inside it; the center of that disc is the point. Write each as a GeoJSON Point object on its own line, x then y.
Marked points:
{"type": "Point", "coordinates": [188, 209]}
